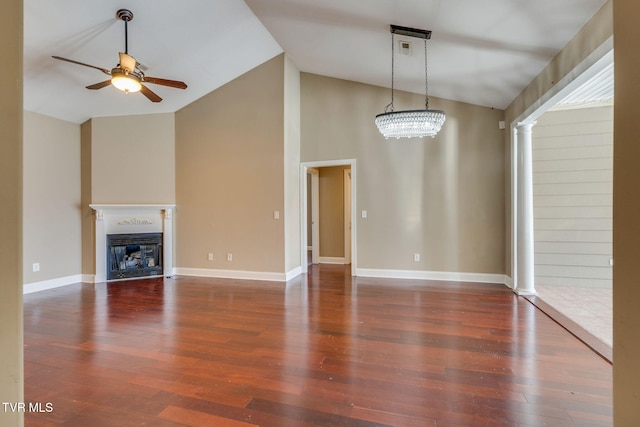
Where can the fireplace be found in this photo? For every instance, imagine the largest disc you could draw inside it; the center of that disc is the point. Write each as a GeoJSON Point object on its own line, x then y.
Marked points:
{"type": "Point", "coordinates": [134, 255]}
{"type": "Point", "coordinates": [133, 241]}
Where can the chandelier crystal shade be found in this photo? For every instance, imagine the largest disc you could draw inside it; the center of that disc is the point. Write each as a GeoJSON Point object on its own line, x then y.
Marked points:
{"type": "Point", "coordinates": [410, 123]}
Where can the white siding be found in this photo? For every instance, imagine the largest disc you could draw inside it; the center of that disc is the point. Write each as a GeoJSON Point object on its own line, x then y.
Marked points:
{"type": "Point", "coordinates": [572, 188]}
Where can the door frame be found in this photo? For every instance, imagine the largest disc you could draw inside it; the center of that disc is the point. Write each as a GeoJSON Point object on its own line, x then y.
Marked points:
{"type": "Point", "coordinates": [347, 216]}
{"type": "Point", "coordinates": [304, 169]}
{"type": "Point", "coordinates": [315, 214]}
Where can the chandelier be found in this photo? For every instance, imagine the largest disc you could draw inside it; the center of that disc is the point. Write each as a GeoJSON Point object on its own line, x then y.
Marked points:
{"type": "Point", "coordinates": [409, 123]}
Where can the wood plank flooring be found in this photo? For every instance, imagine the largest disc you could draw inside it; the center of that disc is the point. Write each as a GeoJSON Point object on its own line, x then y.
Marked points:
{"type": "Point", "coordinates": [324, 350]}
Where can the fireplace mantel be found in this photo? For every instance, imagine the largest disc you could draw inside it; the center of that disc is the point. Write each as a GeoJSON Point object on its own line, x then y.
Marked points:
{"type": "Point", "coordinates": [132, 218]}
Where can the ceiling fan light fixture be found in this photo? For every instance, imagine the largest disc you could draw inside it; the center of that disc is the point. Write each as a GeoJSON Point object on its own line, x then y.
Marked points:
{"type": "Point", "coordinates": [127, 76]}
{"type": "Point", "coordinates": [410, 123]}
{"type": "Point", "coordinates": [128, 83]}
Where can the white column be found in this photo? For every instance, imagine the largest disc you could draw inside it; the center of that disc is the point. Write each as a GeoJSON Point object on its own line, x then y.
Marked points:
{"type": "Point", "coordinates": [525, 237]}
{"type": "Point", "coordinates": [101, 248]}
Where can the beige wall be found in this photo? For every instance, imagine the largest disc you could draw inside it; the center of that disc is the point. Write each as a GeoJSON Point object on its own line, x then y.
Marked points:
{"type": "Point", "coordinates": [331, 211]}
{"type": "Point", "coordinates": [51, 198]}
{"type": "Point", "coordinates": [11, 341]}
{"type": "Point", "coordinates": [88, 220]}
{"type": "Point", "coordinates": [132, 159]}
{"type": "Point", "coordinates": [626, 214]}
{"type": "Point", "coordinates": [230, 174]}
{"type": "Point", "coordinates": [441, 197]}
{"type": "Point", "coordinates": [124, 160]}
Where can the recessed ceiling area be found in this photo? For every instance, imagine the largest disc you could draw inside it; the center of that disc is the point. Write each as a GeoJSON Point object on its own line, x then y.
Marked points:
{"type": "Point", "coordinates": [483, 53]}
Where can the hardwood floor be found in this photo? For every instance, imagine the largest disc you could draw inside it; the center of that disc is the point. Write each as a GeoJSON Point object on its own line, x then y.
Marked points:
{"type": "Point", "coordinates": [324, 350]}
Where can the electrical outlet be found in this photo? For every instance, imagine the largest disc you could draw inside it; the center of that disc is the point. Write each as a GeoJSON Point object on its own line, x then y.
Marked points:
{"type": "Point", "coordinates": [364, 214]}
{"type": "Point", "coordinates": [210, 257]}
{"type": "Point", "coordinates": [416, 257]}
{"type": "Point", "coordinates": [36, 266]}
{"type": "Point", "coordinates": [276, 214]}
{"type": "Point", "coordinates": [229, 257]}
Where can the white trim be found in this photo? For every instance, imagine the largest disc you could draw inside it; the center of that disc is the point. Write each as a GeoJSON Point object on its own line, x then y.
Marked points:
{"type": "Point", "coordinates": [447, 276]}
{"type": "Point", "coordinates": [508, 281]}
{"type": "Point", "coordinates": [131, 207]}
{"type": "Point", "coordinates": [293, 273]}
{"type": "Point", "coordinates": [236, 274]}
{"type": "Point", "coordinates": [332, 260]}
{"type": "Point", "coordinates": [315, 213]}
{"type": "Point", "coordinates": [53, 283]}
{"type": "Point", "coordinates": [347, 215]}
{"type": "Point", "coordinates": [514, 206]}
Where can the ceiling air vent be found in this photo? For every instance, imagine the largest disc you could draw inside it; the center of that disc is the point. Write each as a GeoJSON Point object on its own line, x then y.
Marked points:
{"type": "Point", "coordinates": [404, 47]}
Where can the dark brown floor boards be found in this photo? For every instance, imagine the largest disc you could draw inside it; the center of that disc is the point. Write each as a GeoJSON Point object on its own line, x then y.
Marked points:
{"type": "Point", "coordinates": [323, 350]}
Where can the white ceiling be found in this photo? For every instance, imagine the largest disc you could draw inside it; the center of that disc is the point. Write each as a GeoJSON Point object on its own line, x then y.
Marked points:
{"type": "Point", "coordinates": [481, 52]}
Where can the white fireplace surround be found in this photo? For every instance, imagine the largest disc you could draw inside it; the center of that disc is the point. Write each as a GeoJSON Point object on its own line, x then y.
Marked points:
{"type": "Point", "coordinates": [128, 219]}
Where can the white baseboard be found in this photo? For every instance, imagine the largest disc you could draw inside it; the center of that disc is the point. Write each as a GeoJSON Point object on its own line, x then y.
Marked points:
{"type": "Point", "coordinates": [228, 274]}
{"type": "Point", "coordinates": [44, 285]}
{"type": "Point", "coordinates": [283, 277]}
{"type": "Point", "coordinates": [508, 281]}
{"type": "Point", "coordinates": [433, 275]}
{"type": "Point", "coordinates": [294, 273]}
{"type": "Point", "coordinates": [526, 293]}
{"type": "Point", "coordinates": [331, 260]}
{"type": "Point", "coordinates": [88, 278]}
{"type": "Point", "coordinates": [238, 274]}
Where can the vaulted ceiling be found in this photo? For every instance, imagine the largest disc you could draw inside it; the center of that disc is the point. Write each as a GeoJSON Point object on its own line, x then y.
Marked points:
{"type": "Point", "coordinates": [481, 52]}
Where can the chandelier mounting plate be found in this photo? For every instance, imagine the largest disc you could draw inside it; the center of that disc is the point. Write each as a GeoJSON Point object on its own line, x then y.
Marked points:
{"type": "Point", "coordinates": [411, 32]}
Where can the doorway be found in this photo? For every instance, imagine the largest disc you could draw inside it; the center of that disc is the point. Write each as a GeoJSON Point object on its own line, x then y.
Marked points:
{"type": "Point", "coordinates": [318, 247]}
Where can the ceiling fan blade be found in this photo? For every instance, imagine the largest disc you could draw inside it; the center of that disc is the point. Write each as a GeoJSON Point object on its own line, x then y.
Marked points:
{"type": "Point", "coordinates": [150, 94]}
{"type": "Point", "coordinates": [104, 70]}
{"type": "Point", "coordinates": [99, 85]}
{"type": "Point", "coordinates": [127, 62]}
{"type": "Point", "coordinates": [165, 82]}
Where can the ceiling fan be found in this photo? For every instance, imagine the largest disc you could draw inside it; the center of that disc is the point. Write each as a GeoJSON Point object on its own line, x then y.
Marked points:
{"type": "Point", "coordinates": [127, 76]}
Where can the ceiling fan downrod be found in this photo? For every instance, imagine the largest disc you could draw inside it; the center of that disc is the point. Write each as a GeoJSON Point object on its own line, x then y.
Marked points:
{"type": "Point", "coordinates": [126, 15]}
